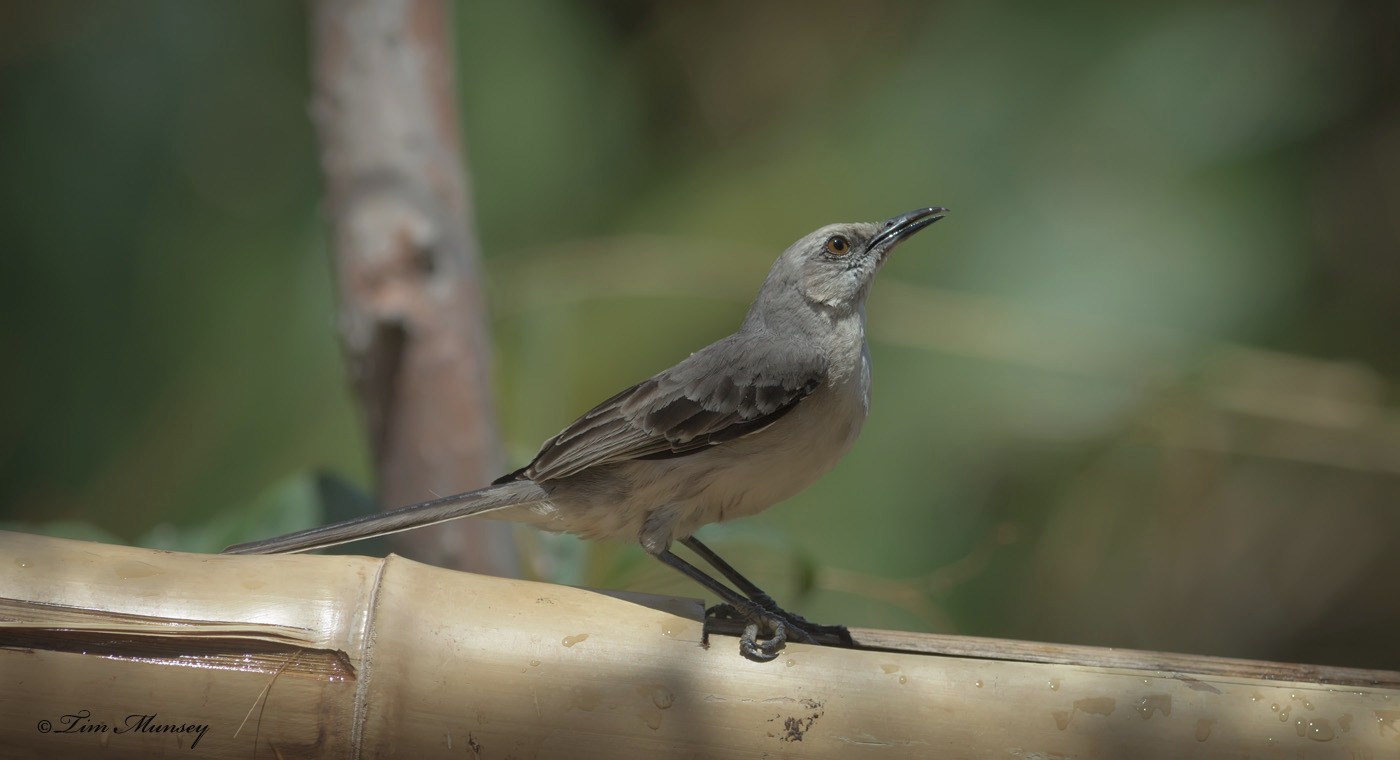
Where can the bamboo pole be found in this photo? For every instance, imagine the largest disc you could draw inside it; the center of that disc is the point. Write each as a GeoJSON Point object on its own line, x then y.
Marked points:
{"type": "Point", "coordinates": [331, 656]}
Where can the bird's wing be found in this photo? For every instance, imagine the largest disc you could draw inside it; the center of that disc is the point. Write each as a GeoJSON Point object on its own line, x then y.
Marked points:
{"type": "Point", "coordinates": [728, 390]}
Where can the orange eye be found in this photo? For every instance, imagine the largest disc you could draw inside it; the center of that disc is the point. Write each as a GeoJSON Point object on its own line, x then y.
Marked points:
{"type": "Point", "coordinates": [838, 246]}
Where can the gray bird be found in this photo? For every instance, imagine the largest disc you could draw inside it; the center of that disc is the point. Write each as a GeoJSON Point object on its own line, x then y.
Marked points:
{"type": "Point", "coordinates": [731, 430]}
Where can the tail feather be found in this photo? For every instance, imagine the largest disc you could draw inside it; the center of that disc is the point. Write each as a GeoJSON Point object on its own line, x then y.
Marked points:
{"type": "Point", "coordinates": [481, 501]}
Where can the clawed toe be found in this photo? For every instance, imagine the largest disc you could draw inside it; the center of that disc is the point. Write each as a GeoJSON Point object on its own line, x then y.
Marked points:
{"type": "Point", "coordinates": [840, 633]}
{"type": "Point", "coordinates": [810, 631]}
{"type": "Point", "coordinates": [766, 650]}
{"type": "Point", "coordinates": [778, 627]}
{"type": "Point", "coordinates": [776, 630]}
{"type": "Point", "coordinates": [763, 616]}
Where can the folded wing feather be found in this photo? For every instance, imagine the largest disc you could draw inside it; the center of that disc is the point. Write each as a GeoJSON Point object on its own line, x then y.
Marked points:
{"type": "Point", "coordinates": [730, 389]}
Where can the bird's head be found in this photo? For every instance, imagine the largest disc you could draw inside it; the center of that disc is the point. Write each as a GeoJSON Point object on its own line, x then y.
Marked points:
{"type": "Point", "coordinates": [832, 268]}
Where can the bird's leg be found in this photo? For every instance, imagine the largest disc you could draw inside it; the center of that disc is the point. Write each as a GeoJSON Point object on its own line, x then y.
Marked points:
{"type": "Point", "coordinates": [752, 612]}
{"type": "Point", "coordinates": [799, 627]}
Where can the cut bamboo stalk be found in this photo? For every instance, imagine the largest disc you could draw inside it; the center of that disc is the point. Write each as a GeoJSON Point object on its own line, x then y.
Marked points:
{"type": "Point", "coordinates": [331, 656]}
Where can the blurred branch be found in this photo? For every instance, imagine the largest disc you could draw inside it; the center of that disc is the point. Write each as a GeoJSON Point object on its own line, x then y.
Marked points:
{"type": "Point", "coordinates": [412, 312]}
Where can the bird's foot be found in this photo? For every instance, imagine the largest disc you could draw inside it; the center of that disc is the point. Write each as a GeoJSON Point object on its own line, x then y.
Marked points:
{"type": "Point", "coordinates": [763, 616]}
{"type": "Point", "coordinates": [837, 634]}
{"type": "Point", "coordinates": [758, 621]}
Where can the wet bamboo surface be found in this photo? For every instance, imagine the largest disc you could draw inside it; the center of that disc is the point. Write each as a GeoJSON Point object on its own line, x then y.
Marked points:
{"type": "Point", "coordinates": [311, 656]}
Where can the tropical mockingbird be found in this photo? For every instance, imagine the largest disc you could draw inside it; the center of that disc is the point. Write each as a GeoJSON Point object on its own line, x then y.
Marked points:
{"type": "Point", "coordinates": [731, 430]}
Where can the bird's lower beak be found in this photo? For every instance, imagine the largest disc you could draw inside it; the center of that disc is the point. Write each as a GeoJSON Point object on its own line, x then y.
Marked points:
{"type": "Point", "coordinates": [904, 225]}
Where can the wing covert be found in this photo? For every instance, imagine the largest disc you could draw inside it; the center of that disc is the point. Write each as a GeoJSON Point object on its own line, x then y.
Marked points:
{"type": "Point", "coordinates": [730, 389]}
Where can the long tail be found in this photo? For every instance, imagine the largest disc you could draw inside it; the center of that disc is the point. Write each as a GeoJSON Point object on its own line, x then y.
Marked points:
{"type": "Point", "coordinates": [488, 499]}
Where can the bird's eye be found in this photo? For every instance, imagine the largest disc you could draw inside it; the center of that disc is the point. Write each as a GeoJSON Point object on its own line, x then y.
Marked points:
{"type": "Point", "coordinates": [837, 245]}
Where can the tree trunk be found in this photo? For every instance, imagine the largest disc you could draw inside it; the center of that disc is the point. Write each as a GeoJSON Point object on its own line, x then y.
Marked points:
{"type": "Point", "coordinates": [412, 316]}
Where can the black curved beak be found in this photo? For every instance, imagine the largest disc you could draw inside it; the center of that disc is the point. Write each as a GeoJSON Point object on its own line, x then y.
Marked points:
{"type": "Point", "coordinates": [904, 225]}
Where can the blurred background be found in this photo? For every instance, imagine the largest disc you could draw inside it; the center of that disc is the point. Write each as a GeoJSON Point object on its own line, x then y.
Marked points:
{"type": "Point", "coordinates": [1139, 390]}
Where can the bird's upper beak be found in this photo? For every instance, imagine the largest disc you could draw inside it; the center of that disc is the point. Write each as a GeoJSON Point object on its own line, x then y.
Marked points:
{"type": "Point", "coordinates": [904, 225]}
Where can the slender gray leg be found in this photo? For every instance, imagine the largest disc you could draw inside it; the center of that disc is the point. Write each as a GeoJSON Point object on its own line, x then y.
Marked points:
{"type": "Point", "coordinates": [752, 612]}
{"type": "Point", "coordinates": [799, 627]}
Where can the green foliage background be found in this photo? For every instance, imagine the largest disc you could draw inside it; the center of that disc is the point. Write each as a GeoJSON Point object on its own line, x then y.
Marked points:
{"type": "Point", "coordinates": [1138, 390]}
